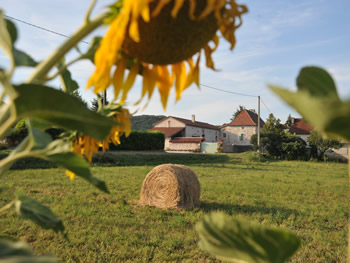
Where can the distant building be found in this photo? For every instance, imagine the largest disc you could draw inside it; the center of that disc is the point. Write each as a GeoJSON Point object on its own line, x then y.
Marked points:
{"type": "Point", "coordinates": [300, 128]}
{"type": "Point", "coordinates": [186, 135]}
{"type": "Point", "coordinates": [236, 135]}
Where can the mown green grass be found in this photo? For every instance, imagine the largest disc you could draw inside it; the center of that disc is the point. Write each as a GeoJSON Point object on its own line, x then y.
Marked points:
{"type": "Point", "coordinates": [310, 199]}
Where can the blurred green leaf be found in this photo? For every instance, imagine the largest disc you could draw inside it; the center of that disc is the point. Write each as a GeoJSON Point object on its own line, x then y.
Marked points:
{"type": "Point", "coordinates": [39, 138]}
{"type": "Point", "coordinates": [79, 166]}
{"type": "Point", "coordinates": [90, 54]}
{"type": "Point", "coordinates": [69, 84]}
{"type": "Point", "coordinates": [60, 109]}
{"type": "Point", "coordinates": [19, 252]}
{"type": "Point", "coordinates": [7, 84]}
{"type": "Point", "coordinates": [11, 28]}
{"type": "Point", "coordinates": [328, 114]}
{"type": "Point", "coordinates": [40, 214]}
{"type": "Point", "coordinates": [23, 59]}
{"type": "Point", "coordinates": [236, 240]}
{"type": "Point", "coordinates": [317, 82]}
{"type": "Point", "coordinates": [5, 37]}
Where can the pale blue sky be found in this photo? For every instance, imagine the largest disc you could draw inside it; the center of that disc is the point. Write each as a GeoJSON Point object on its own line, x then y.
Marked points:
{"type": "Point", "coordinates": [277, 39]}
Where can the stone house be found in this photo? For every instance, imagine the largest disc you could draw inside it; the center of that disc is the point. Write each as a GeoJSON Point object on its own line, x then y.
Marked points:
{"type": "Point", "coordinates": [236, 135]}
{"type": "Point", "coordinates": [186, 135]}
{"type": "Point", "coordinates": [301, 128]}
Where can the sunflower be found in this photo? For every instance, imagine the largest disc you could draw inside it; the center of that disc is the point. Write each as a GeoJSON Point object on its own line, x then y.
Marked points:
{"type": "Point", "coordinates": [165, 38]}
{"type": "Point", "coordinates": [87, 146]}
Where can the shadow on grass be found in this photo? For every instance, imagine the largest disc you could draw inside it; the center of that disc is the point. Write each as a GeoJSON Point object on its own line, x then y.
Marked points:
{"type": "Point", "coordinates": [233, 209]}
{"type": "Point", "coordinates": [131, 159]}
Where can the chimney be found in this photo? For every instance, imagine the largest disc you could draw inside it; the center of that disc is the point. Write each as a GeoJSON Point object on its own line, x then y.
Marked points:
{"type": "Point", "coordinates": [193, 118]}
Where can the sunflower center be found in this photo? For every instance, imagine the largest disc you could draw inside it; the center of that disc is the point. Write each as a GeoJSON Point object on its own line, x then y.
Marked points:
{"type": "Point", "coordinates": [166, 40]}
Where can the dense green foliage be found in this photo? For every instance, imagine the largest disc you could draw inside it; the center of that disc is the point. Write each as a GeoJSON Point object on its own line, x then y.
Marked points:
{"type": "Point", "coordinates": [307, 198]}
{"type": "Point", "coordinates": [272, 124]}
{"type": "Point", "coordinates": [281, 145]}
{"type": "Point", "coordinates": [322, 144]}
{"type": "Point", "coordinates": [145, 122]}
{"type": "Point", "coordinates": [141, 141]}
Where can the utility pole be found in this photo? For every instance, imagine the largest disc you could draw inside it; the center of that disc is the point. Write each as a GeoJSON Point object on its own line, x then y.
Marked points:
{"type": "Point", "coordinates": [259, 123]}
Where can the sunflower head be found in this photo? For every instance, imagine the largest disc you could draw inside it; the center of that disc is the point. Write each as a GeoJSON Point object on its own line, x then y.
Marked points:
{"type": "Point", "coordinates": [164, 36]}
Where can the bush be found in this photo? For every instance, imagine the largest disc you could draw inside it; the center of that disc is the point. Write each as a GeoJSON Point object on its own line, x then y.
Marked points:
{"type": "Point", "coordinates": [141, 141]}
{"type": "Point", "coordinates": [281, 145]}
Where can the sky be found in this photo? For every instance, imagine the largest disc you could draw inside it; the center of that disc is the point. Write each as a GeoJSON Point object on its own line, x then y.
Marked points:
{"type": "Point", "coordinates": [276, 40]}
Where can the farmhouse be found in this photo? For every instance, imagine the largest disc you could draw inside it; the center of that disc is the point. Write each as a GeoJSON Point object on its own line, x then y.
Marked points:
{"type": "Point", "coordinates": [300, 128]}
{"type": "Point", "coordinates": [236, 134]}
{"type": "Point", "coordinates": [186, 135]}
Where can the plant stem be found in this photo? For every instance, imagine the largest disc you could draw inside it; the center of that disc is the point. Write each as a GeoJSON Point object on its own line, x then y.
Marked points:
{"type": "Point", "coordinates": [87, 17]}
{"type": "Point", "coordinates": [44, 67]}
{"type": "Point", "coordinates": [60, 71]}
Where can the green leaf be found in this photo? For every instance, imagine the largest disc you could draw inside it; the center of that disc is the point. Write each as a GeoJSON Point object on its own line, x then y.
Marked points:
{"type": "Point", "coordinates": [40, 214]}
{"type": "Point", "coordinates": [79, 166]}
{"type": "Point", "coordinates": [236, 240]}
{"type": "Point", "coordinates": [70, 85]}
{"type": "Point", "coordinates": [39, 139]}
{"type": "Point", "coordinates": [327, 114]}
{"type": "Point", "coordinates": [60, 109]}
{"type": "Point", "coordinates": [5, 37]}
{"type": "Point", "coordinates": [23, 59]}
{"type": "Point", "coordinates": [317, 82]}
{"type": "Point", "coordinates": [10, 90]}
{"type": "Point", "coordinates": [90, 54]}
{"type": "Point", "coordinates": [19, 252]}
{"type": "Point", "coordinates": [11, 28]}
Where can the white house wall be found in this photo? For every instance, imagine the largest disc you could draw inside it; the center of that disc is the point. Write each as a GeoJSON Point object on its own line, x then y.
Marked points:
{"type": "Point", "coordinates": [209, 134]}
{"type": "Point", "coordinates": [233, 135]}
{"type": "Point", "coordinates": [170, 122]}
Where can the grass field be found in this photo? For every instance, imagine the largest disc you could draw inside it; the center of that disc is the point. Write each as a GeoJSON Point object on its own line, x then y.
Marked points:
{"type": "Point", "coordinates": [310, 199]}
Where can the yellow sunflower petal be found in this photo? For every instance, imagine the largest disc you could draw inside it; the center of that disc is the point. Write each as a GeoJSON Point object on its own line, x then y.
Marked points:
{"type": "Point", "coordinates": [159, 7]}
{"type": "Point", "coordinates": [164, 83]}
{"type": "Point", "coordinates": [118, 77]}
{"type": "Point", "coordinates": [176, 8]}
{"type": "Point", "coordinates": [70, 174]}
{"type": "Point", "coordinates": [180, 78]}
{"type": "Point", "coordinates": [129, 81]}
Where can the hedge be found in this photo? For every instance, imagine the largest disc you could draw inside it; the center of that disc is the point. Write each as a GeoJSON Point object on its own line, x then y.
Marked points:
{"type": "Point", "coordinates": [141, 141]}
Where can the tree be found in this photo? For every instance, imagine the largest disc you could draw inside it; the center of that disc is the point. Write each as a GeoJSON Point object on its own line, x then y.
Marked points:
{"type": "Point", "coordinates": [289, 121]}
{"type": "Point", "coordinates": [238, 111]}
{"type": "Point", "coordinates": [321, 144]}
{"type": "Point", "coordinates": [95, 103]}
{"type": "Point", "coordinates": [77, 94]}
{"type": "Point", "coordinates": [272, 124]}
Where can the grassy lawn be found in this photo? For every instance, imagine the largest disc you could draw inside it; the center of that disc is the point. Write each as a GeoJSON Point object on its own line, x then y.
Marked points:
{"type": "Point", "coordinates": [310, 199]}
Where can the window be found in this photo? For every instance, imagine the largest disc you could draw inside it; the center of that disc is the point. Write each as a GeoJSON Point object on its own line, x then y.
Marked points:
{"type": "Point", "coordinates": [241, 138]}
{"type": "Point", "coordinates": [224, 135]}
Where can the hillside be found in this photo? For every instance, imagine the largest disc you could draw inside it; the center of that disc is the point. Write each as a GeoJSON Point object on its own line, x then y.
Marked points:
{"type": "Point", "coordinates": [145, 122]}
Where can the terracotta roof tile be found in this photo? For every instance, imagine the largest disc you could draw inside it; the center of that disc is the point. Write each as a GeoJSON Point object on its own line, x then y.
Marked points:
{"type": "Point", "coordinates": [187, 140]}
{"type": "Point", "coordinates": [247, 118]}
{"type": "Point", "coordinates": [168, 131]}
{"type": "Point", "coordinates": [300, 127]}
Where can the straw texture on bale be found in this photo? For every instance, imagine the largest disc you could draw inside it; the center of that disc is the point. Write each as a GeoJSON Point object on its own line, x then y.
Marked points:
{"type": "Point", "coordinates": [170, 186]}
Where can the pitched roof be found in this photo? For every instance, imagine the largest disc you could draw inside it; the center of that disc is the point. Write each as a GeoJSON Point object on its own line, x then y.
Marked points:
{"type": "Point", "coordinates": [300, 127]}
{"type": "Point", "coordinates": [246, 118]}
{"type": "Point", "coordinates": [168, 131]}
{"type": "Point", "coordinates": [191, 123]}
{"type": "Point", "coordinates": [187, 140]}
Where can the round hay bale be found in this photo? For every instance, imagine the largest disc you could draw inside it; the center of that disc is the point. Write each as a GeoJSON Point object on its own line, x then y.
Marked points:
{"type": "Point", "coordinates": [170, 186]}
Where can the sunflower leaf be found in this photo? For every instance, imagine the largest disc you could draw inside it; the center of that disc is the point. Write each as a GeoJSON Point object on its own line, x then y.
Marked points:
{"type": "Point", "coordinates": [70, 85]}
{"type": "Point", "coordinates": [23, 59]}
{"type": "Point", "coordinates": [5, 36]}
{"type": "Point", "coordinates": [317, 82]}
{"type": "Point", "coordinates": [40, 214]}
{"type": "Point", "coordinates": [79, 166]}
{"type": "Point", "coordinates": [236, 240]}
{"type": "Point", "coordinates": [60, 109]}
